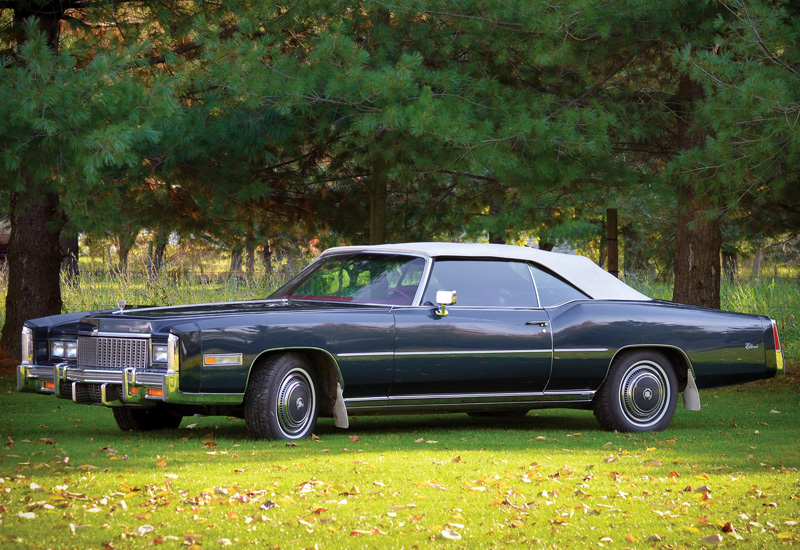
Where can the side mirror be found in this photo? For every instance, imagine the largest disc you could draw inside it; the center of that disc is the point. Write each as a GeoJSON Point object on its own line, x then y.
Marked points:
{"type": "Point", "coordinates": [445, 298]}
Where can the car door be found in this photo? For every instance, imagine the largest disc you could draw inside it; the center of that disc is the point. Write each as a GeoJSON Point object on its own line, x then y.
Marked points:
{"type": "Point", "coordinates": [494, 340]}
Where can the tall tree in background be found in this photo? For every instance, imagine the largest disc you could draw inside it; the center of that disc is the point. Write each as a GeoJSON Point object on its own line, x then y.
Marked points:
{"type": "Point", "coordinates": [66, 116]}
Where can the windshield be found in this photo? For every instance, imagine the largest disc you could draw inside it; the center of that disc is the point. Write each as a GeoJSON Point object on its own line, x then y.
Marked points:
{"type": "Point", "coordinates": [359, 278]}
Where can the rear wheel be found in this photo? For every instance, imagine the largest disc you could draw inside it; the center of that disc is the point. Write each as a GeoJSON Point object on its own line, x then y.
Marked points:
{"type": "Point", "coordinates": [145, 420]}
{"type": "Point", "coordinates": [281, 398]}
{"type": "Point", "coordinates": [639, 395]}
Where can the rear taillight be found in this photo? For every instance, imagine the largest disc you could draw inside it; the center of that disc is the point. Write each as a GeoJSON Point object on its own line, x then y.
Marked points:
{"type": "Point", "coordinates": [775, 336]}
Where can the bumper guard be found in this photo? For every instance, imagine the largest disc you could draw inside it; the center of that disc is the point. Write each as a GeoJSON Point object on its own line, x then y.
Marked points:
{"type": "Point", "coordinates": [132, 387]}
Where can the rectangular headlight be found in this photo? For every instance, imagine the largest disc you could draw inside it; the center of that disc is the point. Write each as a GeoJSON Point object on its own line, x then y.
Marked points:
{"type": "Point", "coordinates": [57, 348]}
{"type": "Point", "coordinates": [159, 353]}
{"type": "Point", "coordinates": [64, 349]}
{"type": "Point", "coordinates": [27, 345]}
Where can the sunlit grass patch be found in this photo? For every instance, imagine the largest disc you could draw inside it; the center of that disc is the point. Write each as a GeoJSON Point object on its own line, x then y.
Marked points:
{"type": "Point", "coordinates": [71, 479]}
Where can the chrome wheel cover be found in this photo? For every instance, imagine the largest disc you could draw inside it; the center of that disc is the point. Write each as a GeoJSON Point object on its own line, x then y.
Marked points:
{"type": "Point", "coordinates": [296, 404]}
{"type": "Point", "coordinates": [644, 394]}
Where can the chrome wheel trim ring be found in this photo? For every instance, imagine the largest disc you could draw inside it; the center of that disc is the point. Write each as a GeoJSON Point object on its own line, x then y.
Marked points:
{"type": "Point", "coordinates": [296, 403]}
{"type": "Point", "coordinates": [645, 394]}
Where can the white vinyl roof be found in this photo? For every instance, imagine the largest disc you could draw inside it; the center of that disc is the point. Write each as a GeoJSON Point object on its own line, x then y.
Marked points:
{"type": "Point", "coordinates": [578, 270]}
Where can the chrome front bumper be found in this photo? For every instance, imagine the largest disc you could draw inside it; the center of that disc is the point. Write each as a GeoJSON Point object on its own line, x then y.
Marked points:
{"type": "Point", "coordinates": [117, 387]}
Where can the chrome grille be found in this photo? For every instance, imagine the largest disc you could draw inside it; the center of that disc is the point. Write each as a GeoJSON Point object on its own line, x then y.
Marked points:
{"type": "Point", "coordinates": [112, 353]}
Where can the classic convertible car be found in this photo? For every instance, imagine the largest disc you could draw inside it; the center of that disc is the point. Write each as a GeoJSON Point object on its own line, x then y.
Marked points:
{"type": "Point", "coordinates": [490, 330]}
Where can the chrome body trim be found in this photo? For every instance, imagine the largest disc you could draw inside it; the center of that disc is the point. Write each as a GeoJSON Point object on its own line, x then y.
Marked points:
{"type": "Point", "coordinates": [535, 287]}
{"type": "Point", "coordinates": [476, 352]}
{"type": "Point", "coordinates": [397, 403]}
{"type": "Point", "coordinates": [116, 334]}
{"type": "Point", "coordinates": [31, 378]}
{"type": "Point", "coordinates": [301, 348]}
{"type": "Point", "coordinates": [443, 353]}
{"type": "Point", "coordinates": [367, 354]}
{"type": "Point", "coordinates": [580, 350]}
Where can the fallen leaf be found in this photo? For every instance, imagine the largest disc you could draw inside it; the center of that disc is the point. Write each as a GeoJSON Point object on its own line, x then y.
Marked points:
{"type": "Point", "coordinates": [314, 437]}
{"type": "Point", "coordinates": [450, 534]}
{"type": "Point", "coordinates": [161, 463]}
{"type": "Point", "coordinates": [716, 538]}
{"type": "Point", "coordinates": [420, 440]}
{"type": "Point", "coordinates": [143, 530]}
{"type": "Point", "coordinates": [456, 459]}
{"type": "Point", "coordinates": [630, 538]}
{"type": "Point", "coordinates": [653, 538]}
{"type": "Point", "coordinates": [354, 438]}
{"type": "Point", "coordinates": [291, 444]}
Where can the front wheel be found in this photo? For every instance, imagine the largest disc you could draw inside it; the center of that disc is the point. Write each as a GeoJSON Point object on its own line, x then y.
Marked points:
{"type": "Point", "coordinates": [639, 395]}
{"type": "Point", "coordinates": [281, 398]}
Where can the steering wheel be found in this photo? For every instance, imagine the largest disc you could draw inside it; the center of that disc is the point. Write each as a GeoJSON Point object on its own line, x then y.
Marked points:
{"type": "Point", "coordinates": [388, 294]}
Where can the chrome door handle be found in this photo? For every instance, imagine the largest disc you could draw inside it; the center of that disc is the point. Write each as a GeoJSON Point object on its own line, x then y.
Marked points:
{"type": "Point", "coordinates": [539, 323]}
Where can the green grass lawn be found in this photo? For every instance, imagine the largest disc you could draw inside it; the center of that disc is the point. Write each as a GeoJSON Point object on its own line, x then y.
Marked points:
{"type": "Point", "coordinates": [726, 475]}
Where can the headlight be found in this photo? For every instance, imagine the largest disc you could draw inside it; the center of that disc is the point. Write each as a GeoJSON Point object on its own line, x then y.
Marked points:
{"type": "Point", "coordinates": [159, 353]}
{"type": "Point", "coordinates": [27, 345]}
{"type": "Point", "coordinates": [57, 349]}
{"type": "Point", "coordinates": [64, 349]}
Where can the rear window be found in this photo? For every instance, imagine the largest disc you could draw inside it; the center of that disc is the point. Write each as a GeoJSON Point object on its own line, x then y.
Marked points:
{"type": "Point", "coordinates": [553, 290]}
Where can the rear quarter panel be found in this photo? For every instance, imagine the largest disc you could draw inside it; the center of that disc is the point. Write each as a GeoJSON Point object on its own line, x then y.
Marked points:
{"type": "Point", "coordinates": [723, 347]}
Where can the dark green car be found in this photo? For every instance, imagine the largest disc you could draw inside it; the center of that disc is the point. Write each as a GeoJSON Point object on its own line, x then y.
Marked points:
{"type": "Point", "coordinates": [406, 328]}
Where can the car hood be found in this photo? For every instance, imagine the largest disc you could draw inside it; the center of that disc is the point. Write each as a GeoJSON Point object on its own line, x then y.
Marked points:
{"type": "Point", "coordinates": [154, 320]}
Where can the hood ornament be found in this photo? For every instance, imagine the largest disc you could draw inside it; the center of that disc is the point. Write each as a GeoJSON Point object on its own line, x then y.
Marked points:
{"type": "Point", "coordinates": [121, 305]}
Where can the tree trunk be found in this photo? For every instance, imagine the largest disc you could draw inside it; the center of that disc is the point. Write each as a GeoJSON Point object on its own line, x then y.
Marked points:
{"type": "Point", "coordinates": [250, 260]}
{"type": "Point", "coordinates": [266, 257]}
{"type": "Point", "coordinates": [125, 243]}
{"type": "Point", "coordinates": [758, 262]}
{"type": "Point", "coordinates": [377, 203]}
{"type": "Point", "coordinates": [70, 250]}
{"type": "Point", "coordinates": [495, 209]}
{"type": "Point", "coordinates": [632, 261]}
{"type": "Point", "coordinates": [236, 260]}
{"type": "Point", "coordinates": [611, 241]}
{"type": "Point", "coordinates": [34, 254]}
{"type": "Point", "coordinates": [155, 255]}
{"type": "Point", "coordinates": [34, 258]}
{"type": "Point", "coordinates": [730, 265]}
{"type": "Point", "coordinates": [699, 240]}
{"type": "Point", "coordinates": [698, 243]}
